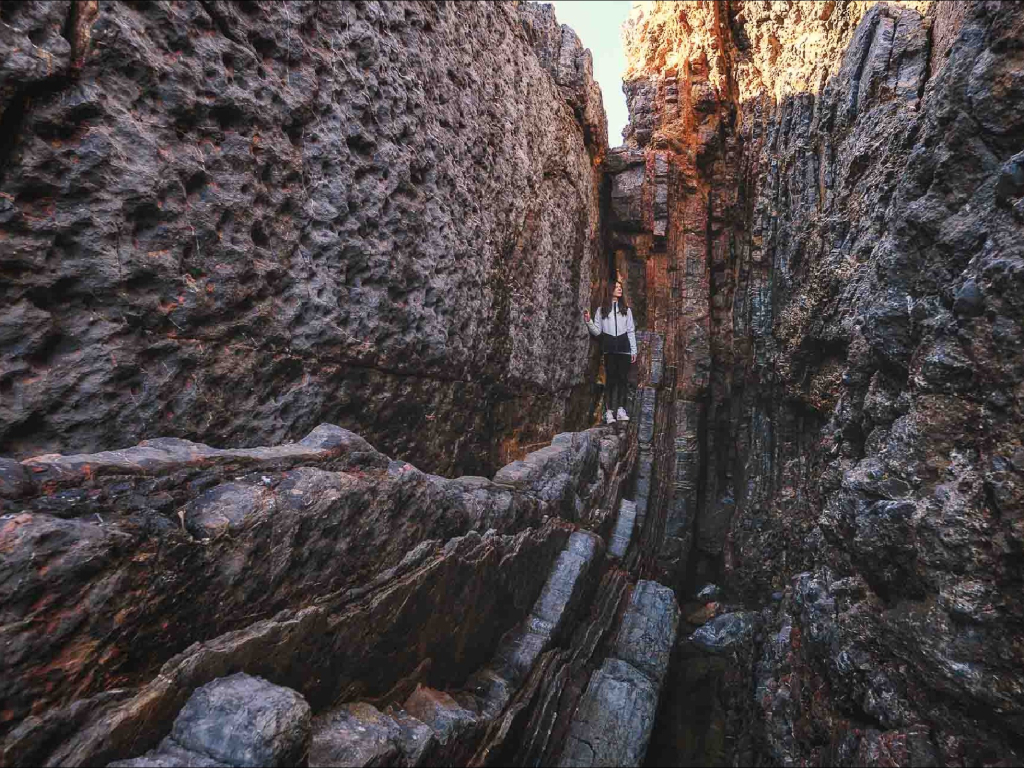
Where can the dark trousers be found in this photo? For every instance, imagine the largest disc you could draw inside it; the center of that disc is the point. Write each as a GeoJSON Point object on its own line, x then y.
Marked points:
{"type": "Point", "coordinates": [616, 369]}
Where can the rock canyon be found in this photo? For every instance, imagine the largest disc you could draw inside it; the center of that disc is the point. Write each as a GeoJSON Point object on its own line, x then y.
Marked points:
{"type": "Point", "coordinates": [298, 462]}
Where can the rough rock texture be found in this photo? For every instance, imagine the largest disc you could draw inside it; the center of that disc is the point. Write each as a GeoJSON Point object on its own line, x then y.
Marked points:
{"type": "Point", "coordinates": [821, 206]}
{"type": "Point", "coordinates": [613, 722]}
{"type": "Point", "coordinates": [623, 533]}
{"type": "Point", "coordinates": [818, 214]}
{"type": "Point", "coordinates": [239, 721]}
{"type": "Point", "coordinates": [230, 222]}
{"type": "Point", "coordinates": [157, 547]}
{"type": "Point", "coordinates": [426, 621]}
{"type": "Point", "coordinates": [437, 659]}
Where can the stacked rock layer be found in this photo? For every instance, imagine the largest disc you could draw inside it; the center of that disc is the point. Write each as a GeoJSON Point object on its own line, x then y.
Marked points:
{"type": "Point", "coordinates": [234, 222]}
{"type": "Point", "coordinates": [820, 206]}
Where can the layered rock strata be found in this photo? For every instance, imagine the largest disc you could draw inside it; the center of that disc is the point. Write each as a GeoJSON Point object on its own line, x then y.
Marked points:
{"type": "Point", "coordinates": [229, 222]}
{"type": "Point", "coordinates": [820, 206]}
{"type": "Point", "coordinates": [232, 222]}
{"type": "Point", "coordinates": [420, 619]}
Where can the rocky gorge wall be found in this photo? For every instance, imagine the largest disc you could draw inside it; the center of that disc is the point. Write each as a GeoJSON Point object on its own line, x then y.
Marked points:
{"type": "Point", "coordinates": [230, 222]}
{"type": "Point", "coordinates": [318, 602]}
{"type": "Point", "coordinates": [236, 220]}
{"type": "Point", "coordinates": [805, 547]}
{"type": "Point", "coordinates": [819, 208]}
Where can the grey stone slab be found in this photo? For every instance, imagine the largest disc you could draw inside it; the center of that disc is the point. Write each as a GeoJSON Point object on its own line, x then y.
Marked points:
{"type": "Point", "coordinates": [612, 724]}
{"type": "Point", "coordinates": [648, 400]}
{"type": "Point", "coordinates": [725, 631]}
{"type": "Point", "coordinates": [644, 477]}
{"type": "Point", "coordinates": [648, 629]}
{"type": "Point", "coordinates": [441, 713]}
{"type": "Point", "coordinates": [169, 755]}
{"type": "Point", "coordinates": [492, 691]}
{"type": "Point", "coordinates": [623, 529]}
{"type": "Point", "coordinates": [245, 721]}
{"type": "Point", "coordinates": [520, 650]}
{"type": "Point", "coordinates": [414, 738]}
{"type": "Point", "coordinates": [564, 582]}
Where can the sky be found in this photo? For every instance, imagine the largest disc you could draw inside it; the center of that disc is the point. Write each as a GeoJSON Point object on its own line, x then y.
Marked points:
{"type": "Point", "coordinates": [599, 26]}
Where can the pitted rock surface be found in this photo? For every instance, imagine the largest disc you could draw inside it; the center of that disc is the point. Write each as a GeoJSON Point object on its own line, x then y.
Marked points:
{"type": "Point", "coordinates": [229, 222]}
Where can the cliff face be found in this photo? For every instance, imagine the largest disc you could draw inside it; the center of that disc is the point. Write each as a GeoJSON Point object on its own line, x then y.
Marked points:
{"type": "Point", "coordinates": [232, 221]}
{"type": "Point", "coordinates": [820, 204]}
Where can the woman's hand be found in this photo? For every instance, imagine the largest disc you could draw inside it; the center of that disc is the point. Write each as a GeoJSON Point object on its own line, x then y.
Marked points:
{"type": "Point", "coordinates": [586, 315]}
{"type": "Point", "coordinates": [632, 358]}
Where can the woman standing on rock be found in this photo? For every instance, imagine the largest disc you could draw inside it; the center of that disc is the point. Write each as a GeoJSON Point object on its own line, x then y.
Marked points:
{"type": "Point", "coordinates": [613, 322]}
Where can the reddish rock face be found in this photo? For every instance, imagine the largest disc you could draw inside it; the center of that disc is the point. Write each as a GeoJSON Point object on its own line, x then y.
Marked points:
{"type": "Point", "coordinates": [230, 222]}
{"type": "Point", "coordinates": [821, 205]}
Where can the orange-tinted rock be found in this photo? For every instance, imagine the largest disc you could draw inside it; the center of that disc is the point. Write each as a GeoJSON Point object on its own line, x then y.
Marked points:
{"type": "Point", "coordinates": [830, 256]}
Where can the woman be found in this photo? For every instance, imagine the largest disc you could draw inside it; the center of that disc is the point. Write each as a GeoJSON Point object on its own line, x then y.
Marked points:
{"type": "Point", "coordinates": [613, 322]}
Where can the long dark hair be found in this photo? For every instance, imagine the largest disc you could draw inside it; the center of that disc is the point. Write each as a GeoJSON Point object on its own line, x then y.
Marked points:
{"type": "Point", "coordinates": [609, 297]}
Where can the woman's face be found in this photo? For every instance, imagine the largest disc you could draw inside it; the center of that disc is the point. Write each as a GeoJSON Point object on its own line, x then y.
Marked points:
{"type": "Point", "coordinates": [617, 293]}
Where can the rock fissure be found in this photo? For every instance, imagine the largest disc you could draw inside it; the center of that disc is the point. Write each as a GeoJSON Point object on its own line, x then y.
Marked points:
{"type": "Point", "coordinates": [803, 548]}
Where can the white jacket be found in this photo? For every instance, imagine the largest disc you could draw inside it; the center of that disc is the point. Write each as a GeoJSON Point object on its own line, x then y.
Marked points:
{"type": "Point", "coordinates": [616, 325]}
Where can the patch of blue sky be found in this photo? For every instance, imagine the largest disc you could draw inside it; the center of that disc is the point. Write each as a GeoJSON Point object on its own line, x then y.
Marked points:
{"type": "Point", "coordinates": [599, 26]}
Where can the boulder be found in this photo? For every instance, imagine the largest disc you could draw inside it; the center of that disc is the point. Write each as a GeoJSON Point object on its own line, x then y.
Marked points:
{"type": "Point", "coordinates": [240, 721]}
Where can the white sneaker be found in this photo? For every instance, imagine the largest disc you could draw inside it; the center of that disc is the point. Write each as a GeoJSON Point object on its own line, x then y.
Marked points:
{"type": "Point", "coordinates": [609, 417]}
{"type": "Point", "coordinates": [621, 415]}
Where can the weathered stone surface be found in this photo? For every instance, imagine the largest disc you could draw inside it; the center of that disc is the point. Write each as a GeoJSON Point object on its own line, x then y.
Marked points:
{"type": "Point", "coordinates": [623, 532]}
{"type": "Point", "coordinates": [170, 755]}
{"type": "Point", "coordinates": [831, 256]}
{"type": "Point", "coordinates": [355, 540]}
{"type": "Point", "coordinates": [612, 723]}
{"type": "Point", "coordinates": [238, 721]}
{"type": "Point", "coordinates": [159, 474]}
{"type": "Point", "coordinates": [709, 592]}
{"type": "Point", "coordinates": [560, 596]}
{"type": "Point", "coordinates": [354, 734]}
{"type": "Point", "coordinates": [36, 52]}
{"type": "Point", "coordinates": [245, 721]}
{"type": "Point", "coordinates": [14, 480]}
{"type": "Point", "coordinates": [818, 213]}
{"type": "Point", "coordinates": [627, 201]}
{"type": "Point", "coordinates": [441, 713]}
{"type": "Point", "coordinates": [415, 740]}
{"type": "Point", "coordinates": [614, 719]}
{"type": "Point", "coordinates": [135, 581]}
{"type": "Point", "coordinates": [572, 474]}
{"type": "Point", "coordinates": [458, 602]}
{"type": "Point", "coordinates": [648, 629]}
{"type": "Point", "coordinates": [707, 715]}
{"type": "Point", "coordinates": [230, 222]}
{"type": "Point", "coordinates": [725, 631]}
